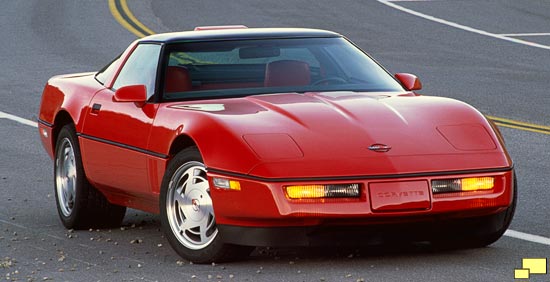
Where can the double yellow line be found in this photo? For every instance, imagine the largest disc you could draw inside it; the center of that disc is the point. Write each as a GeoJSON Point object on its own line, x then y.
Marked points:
{"type": "Point", "coordinates": [123, 15]}
{"type": "Point", "coordinates": [121, 12]}
{"type": "Point", "coordinates": [520, 125]}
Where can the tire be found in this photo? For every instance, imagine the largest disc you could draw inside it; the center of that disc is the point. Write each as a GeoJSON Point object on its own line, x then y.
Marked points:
{"type": "Point", "coordinates": [187, 212]}
{"type": "Point", "coordinates": [480, 232]}
{"type": "Point", "coordinates": [79, 204]}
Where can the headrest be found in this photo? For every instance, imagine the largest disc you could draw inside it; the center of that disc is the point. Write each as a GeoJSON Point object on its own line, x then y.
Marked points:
{"type": "Point", "coordinates": [177, 79]}
{"type": "Point", "coordinates": [287, 73]}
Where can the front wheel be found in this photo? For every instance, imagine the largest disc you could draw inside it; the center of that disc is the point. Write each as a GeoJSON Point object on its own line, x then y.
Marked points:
{"type": "Point", "coordinates": [187, 212]}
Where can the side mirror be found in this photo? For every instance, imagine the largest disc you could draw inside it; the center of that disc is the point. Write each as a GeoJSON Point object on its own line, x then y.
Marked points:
{"type": "Point", "coordinates": [132, 93]}
{"type": "Point", "coordinates": [409, 81]}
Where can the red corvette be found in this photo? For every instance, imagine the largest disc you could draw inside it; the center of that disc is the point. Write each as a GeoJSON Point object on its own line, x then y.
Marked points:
{"type": "Point", "coordinates": [271, 137]}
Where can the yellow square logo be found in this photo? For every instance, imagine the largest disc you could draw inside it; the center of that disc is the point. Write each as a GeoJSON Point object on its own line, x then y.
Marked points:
{"type": "Point", "coordinates": [530, 266]}
{"type": "Point", "coordinates": [521, 274]}
{"type": "Point", "coordinates": [535, 265]}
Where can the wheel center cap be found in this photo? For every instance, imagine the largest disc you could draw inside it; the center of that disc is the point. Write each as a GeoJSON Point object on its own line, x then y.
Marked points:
{"type": "Point", "coordinates": [195, 204]}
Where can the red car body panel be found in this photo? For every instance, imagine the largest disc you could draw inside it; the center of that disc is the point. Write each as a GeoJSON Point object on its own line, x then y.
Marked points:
{"type": "Point", "coordinates": [68, 94]}
{"type": "Point", "coordinates": [270, 141]}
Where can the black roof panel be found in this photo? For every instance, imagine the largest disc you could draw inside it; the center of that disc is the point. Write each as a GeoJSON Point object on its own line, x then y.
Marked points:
{"type": "Point", "coordinates": [239, 34]}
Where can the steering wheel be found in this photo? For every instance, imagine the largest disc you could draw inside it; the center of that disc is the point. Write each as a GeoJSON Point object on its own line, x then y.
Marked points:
{"type": "Point", "coordinates": [334, 79]}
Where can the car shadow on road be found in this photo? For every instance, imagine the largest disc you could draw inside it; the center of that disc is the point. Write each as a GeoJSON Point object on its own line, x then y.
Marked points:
{"type": "Point", "coordinates": [380, 250]}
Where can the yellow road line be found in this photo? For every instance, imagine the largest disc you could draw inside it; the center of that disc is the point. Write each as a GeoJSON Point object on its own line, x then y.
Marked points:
{"type": "Point", "coordinates": [125, 8]}
{"type": "Point", "coordinates": [522, 128]}
{"type": "Point", "coordinates": [127, 19]}
{"type": "Point", "coordinates": [521, 125]}
{"type": "Point", "coordinates": [504, 120]}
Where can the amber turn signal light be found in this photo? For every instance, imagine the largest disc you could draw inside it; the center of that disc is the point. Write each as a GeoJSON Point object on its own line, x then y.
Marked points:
{"type": "Point", "coordinates": [228, 184]}
{"type": "Point", "coordinates": [463, 184]}
{"type": "Point", "coordinates": [316, 191]}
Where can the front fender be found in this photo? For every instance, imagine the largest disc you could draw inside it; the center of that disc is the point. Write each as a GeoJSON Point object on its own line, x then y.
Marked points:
{"type": "Point", "coordinates": [220, 147]}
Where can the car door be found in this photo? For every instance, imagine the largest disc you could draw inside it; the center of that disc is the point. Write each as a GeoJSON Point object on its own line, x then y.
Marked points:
{"type": "Point", "coordinates": [115, 134]}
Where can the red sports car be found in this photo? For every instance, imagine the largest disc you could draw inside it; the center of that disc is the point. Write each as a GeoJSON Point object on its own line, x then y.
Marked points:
{"type": "Point", "coordinates": [271, 137]}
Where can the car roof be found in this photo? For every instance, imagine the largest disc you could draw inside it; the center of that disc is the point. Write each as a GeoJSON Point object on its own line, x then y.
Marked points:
{"type": "Point", "coordinates": [238, 34]}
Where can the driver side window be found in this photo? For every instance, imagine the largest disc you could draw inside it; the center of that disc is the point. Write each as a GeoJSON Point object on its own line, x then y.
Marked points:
{"type": "Point", "coordinates": [140, 68]}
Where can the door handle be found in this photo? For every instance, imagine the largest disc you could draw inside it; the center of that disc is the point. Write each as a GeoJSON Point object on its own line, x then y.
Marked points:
{"type": "Point", "coordinates": [95, 108]}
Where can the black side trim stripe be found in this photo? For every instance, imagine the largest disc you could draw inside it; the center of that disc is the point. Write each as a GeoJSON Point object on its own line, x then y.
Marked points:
{"type": "Point", "coordinates": [154, 154]}
{"type": "Point", "coordinates": [45, 123]}
{"type": "Point", "coordinates": [360, 177]}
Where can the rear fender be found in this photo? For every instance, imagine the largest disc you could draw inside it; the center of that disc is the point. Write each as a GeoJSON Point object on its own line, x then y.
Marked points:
{"type": "Point", "coordinates": [65, 99]}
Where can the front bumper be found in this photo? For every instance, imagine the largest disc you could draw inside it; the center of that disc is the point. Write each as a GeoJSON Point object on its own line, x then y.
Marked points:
{"type": "Point", "coordinates": [261, 206]}
{"type": "Point", "coordinates": [45, 130]}
{"type": "Point", "coordinates": [420, 229]}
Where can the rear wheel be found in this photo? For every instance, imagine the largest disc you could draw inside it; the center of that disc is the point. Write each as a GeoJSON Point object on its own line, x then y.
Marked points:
{"type": "Point", "coordinates": [187, 213]}
{"type": "Point", "coordinates": [79, 205]}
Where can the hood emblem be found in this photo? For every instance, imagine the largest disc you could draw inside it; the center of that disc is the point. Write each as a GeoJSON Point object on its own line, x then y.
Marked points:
{"type": "Point", "coordinates": [380, 148]}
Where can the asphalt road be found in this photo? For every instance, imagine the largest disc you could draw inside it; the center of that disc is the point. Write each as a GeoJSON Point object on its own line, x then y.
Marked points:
{"type": "Point", "coordinates": [501, 78]}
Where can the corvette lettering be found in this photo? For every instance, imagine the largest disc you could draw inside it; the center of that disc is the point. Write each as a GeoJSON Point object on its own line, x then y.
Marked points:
{"type": "Point", "coordinates": [400, 194]}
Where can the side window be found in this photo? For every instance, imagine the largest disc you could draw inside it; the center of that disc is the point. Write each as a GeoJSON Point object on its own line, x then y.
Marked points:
{"type": "Point", "coordinates": [107, 71]}
{"type": "Point", "coordinates": [140, 68]}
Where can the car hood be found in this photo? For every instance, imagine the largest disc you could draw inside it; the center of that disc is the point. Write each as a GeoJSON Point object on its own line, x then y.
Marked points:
{"type": "Point", "coordinates": [350, 134]}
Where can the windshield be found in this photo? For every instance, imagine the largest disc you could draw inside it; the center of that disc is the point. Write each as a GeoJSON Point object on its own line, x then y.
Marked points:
{"type": "Point", "coordinates": [248, 67]}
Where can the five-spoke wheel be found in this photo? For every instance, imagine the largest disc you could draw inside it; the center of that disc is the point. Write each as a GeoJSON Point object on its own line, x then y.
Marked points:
{"type": "Point", "coordinates": [189, 207]}
{"type": "Point", "coordinates": [187, 212]}
{"type": "Point", "coordinates": [65, 176]}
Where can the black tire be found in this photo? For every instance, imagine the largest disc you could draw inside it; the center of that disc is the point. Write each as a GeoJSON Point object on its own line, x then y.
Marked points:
{"type": "Point", "coordinates": [187, 214]}
{"type": "Point", "coordinates": [79, 204]}
{"type": "Point", "coordinates": [479, 232]}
